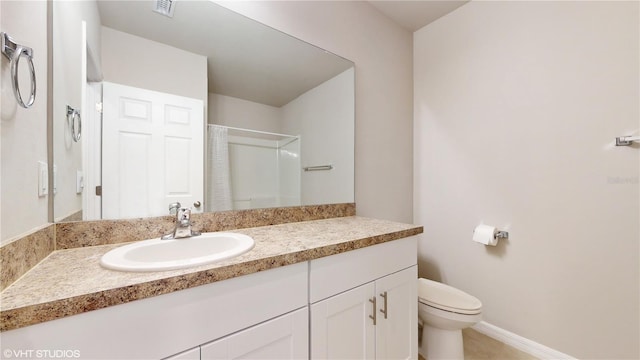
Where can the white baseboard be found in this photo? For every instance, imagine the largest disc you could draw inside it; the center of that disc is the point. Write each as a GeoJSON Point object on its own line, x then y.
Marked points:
{"type": "Point", "coordinates": [523, 344]}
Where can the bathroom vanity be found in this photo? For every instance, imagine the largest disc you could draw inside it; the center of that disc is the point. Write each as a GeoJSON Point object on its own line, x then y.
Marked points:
{"type": "Point", "coordinates": [334, 288]}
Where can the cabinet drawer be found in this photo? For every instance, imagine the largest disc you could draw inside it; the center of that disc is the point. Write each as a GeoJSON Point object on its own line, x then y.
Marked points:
{"type": "Point", "coordinates": [334, 274]}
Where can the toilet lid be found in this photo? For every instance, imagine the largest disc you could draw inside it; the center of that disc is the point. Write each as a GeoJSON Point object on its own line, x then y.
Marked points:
{"type": "Point", "coordinates": [447, 298]}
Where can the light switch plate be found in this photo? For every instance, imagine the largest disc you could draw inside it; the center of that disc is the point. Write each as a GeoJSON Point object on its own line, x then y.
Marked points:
{"type": "Point", "coordinates": [43, 179]}
{"type": "Point", "coordinates": [79, 182]}
{"type": "Point", "coordinates": [55, 179]}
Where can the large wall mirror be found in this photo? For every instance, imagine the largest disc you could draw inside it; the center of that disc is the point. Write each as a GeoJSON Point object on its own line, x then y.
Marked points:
{"type": "Point", "coordinates": [195, 104]}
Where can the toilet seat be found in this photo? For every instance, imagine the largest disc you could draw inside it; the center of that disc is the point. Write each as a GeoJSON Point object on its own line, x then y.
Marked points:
{"type": "Point", "coordinates": [445, 297]}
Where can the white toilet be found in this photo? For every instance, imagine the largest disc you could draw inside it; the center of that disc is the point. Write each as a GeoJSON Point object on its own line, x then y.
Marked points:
{"type": "Point", "coordinates": [444, 311]}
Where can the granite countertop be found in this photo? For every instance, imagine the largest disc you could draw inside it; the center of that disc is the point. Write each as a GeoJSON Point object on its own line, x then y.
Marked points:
{"type": "Point", "coordinates": [70, 282]}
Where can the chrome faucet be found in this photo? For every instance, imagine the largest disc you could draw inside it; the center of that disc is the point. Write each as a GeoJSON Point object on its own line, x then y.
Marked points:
{"type": "Point", "coordinates": [183, 223]}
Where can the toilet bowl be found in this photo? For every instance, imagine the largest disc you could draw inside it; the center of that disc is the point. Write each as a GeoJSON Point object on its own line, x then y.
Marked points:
{"type": "Point", "coordinates": [444, 312]}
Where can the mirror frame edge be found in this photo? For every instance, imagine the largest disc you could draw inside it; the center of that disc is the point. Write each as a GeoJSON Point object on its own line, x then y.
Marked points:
{"type": "Point", "coordinates": [50, 158]}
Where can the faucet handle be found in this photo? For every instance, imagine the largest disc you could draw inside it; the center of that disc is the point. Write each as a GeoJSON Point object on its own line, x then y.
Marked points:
{"type": "Point", "coordinates": [173, 208]}
{"type": "Point", "coordinates": [184, 214]}
{"type": "Point", "coordinates": [186, 211]}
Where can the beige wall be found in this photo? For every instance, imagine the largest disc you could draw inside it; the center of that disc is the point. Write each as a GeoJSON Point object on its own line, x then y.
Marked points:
{"type": "Point", "coordinates": [69, 76]}
{"type": "Point", "coordinates": [23, 131]}
{"type": "Point", "coordinates": [517, 105]}
{"type": "Point", "coordinates": [235, 112]}
{"type": "Point", "coordinates": [323, 117]}
{"type": "Point", "coordinates": [134, 61]}
{"type": "Point", "coordinates": [382, 52]}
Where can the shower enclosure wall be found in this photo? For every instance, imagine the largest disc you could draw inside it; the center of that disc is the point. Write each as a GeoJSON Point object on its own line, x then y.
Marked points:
{"type": "Point", "coordinates": [263, 169]}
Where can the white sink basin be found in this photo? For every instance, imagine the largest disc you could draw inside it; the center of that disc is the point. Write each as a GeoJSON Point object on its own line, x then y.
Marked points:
{"type": "Point", "coordinates": [158, 255]}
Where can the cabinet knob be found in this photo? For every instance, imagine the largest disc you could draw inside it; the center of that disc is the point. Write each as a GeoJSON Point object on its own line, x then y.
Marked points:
{"type": "Point", "coordinates": [197, 204]}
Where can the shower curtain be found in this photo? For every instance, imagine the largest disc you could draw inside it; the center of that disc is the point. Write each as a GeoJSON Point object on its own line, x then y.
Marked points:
{"type": "Point", "coordinates": [219, 180]}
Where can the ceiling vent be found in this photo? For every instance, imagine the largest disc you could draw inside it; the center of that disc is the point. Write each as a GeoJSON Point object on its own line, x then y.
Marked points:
{"type": "Point", "coordinates": [164, 7]}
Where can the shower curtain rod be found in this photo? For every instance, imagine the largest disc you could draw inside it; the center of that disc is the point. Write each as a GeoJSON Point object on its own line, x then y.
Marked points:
{"type": "Point", "coordinates": [254, 131]}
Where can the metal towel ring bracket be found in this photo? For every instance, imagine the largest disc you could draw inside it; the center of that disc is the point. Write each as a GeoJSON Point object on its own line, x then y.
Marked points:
{"type": "Point", "coordinates": [14, 52]}
{"type": "Point", "coordinates": [72, 115]}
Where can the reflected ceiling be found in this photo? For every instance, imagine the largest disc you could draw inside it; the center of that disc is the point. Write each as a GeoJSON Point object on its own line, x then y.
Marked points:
{"type": "Point", "coordinates": [254, 52]}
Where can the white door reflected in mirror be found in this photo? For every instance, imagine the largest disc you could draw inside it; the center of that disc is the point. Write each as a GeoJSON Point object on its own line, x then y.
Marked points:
{"type": "Point", "coordinates": [139, 125]}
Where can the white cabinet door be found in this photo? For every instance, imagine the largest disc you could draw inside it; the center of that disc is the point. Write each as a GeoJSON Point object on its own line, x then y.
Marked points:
{"type": "Point", "coordinates": [396, 331]}
{"type": "Point", "coordinates": [285, 337]}
{"type": "Point", "coordinates": [193, 354]}
{"type": "Point", "coordinates": [152, 152]}
{"type": "Point", "coordinates": [341, 327]}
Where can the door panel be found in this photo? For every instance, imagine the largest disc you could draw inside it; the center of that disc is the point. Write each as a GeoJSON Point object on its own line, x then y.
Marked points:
{"type": "Point", "coordinates": [152, 152]}
{"type": "Point", "coordinates": [397, 333]}
{"type": "Point", "coordinates": [286, 337]}
{"type": "Point", "coordinates": [341, 327]}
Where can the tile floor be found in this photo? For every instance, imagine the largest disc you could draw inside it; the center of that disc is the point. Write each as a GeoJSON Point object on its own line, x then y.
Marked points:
{"type": "Point", "coordinates": [478, 346]}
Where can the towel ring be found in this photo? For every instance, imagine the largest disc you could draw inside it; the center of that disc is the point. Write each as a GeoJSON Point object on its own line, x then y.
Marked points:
{"type": "Point", "coordinates": [72, 115]}
{"type": "Point", "coordinates": [14, 52]}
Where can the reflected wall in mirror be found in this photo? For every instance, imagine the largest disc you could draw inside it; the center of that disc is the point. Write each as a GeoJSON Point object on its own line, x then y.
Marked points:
{"type": "Point", "coordinates": [205, 107]}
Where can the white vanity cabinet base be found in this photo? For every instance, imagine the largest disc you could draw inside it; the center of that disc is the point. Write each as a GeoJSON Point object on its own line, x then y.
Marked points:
{"type": "Point", "coordinates": [346, 290]}
{"type": "Point", "coordinates": [286, 337]}
{"type": "Point", "coordinates": [160, 326]}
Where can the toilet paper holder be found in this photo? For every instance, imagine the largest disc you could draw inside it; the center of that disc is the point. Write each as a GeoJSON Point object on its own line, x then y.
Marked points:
{"type": "Point", "coordinates": [488, 235]}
